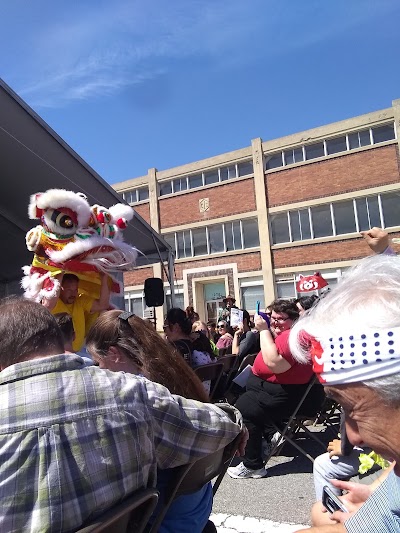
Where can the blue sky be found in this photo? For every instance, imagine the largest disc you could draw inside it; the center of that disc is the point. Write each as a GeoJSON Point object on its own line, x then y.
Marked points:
{"type": "Point", "coordinates": [135, 84]}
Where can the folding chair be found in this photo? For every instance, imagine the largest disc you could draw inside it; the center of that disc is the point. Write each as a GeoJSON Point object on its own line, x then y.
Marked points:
{"type": "Point", "coordinates": [211, 372]}
{"type": "Point", "coordinates": [225, 351]}
{"type": "Point", "coordinates": [329, 415]}
{"type": "Point", "coordinates": [131, 515]}
{"type": "Point", "coordinates": [228, 362]}
{"type": "Point", "coordinates": [233, 391]}
{"type": "Point", "coordinates": [295, 424]}
{"type": "Point", "coordinates": [190, 478]}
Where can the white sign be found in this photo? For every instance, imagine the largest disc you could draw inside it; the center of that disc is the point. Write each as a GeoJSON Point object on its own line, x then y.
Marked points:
{"type": "Point", "coordinates": [236, 317]}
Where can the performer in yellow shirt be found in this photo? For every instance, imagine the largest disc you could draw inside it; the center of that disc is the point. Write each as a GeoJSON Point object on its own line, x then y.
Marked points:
{"type": "Point", "coordinates": [82, 308]}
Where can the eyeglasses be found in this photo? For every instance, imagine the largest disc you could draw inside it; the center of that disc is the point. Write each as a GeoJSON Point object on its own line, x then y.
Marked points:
{"type": "Point", "coordinates": [279, 320]}
{"type": "Point", "coordinates": [221, 326]}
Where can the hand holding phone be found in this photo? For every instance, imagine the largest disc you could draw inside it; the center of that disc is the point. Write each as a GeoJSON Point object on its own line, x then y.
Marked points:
{"type": "Point", "coordinates": [331, 502]}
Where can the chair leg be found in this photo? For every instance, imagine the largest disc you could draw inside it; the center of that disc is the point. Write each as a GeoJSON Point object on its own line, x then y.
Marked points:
{"type": "Point", "coordinates": [311, 434]}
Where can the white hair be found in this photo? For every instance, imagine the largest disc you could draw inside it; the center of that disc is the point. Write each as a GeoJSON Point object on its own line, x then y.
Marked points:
{"type": "Point", "coordinates": [368, 297]}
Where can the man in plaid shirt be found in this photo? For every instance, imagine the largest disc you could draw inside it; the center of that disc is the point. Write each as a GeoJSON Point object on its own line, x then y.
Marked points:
{"type": "Point", "coordinates": [76, 440]}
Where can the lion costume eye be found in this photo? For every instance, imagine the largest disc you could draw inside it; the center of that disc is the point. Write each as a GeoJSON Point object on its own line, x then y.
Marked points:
{"type": "Point", "coordinates": [62, 220]}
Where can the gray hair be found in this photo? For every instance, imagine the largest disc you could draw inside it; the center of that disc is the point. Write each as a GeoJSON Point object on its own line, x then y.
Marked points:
{"type": "Point", "coordinates": [367, 297]}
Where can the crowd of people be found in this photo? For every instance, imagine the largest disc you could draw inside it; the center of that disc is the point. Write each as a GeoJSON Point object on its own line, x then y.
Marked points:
{"type": "Point", "coordinates": [82, 431]}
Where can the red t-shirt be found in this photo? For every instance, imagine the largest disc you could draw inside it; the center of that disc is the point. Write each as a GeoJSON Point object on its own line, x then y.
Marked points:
{"type": "Point", "coordinates": [297, 373]}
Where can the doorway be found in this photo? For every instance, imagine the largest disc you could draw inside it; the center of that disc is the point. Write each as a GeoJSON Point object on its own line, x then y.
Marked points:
{"type": "Point", "coordinates": [214, 293]}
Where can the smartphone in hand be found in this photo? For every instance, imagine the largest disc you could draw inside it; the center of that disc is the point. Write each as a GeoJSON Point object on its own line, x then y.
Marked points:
{"type": "Point", "coordinates": [331, 502]}
{"type": "Point", "coordinates": [257, 307]}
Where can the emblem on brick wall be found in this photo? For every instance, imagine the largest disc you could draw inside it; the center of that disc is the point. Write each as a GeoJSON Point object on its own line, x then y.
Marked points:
{"type": "Point", "coordinates": [204, 205]}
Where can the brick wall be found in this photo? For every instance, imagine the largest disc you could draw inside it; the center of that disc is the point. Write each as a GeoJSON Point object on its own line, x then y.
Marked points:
{"type": "Point", "coordinates": [322, 253]}
{"type": "Point", "coordinates": [245, 263]}
{"type": "Point", "coordinates": [144, 211]}
{"type": "Point", "coordinates": [137, 277]}
{"type": "Point", "coordinates": [377, 166]}
{"type": "Point", "coordinates": [229, 199]}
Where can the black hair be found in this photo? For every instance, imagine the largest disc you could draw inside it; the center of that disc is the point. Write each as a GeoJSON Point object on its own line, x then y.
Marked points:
{"type": "Point", "coordinates": [178, 316]}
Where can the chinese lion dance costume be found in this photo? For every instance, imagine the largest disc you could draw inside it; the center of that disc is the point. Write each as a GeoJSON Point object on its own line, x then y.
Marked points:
{"type": "Point", "coordinates": [74, 237]}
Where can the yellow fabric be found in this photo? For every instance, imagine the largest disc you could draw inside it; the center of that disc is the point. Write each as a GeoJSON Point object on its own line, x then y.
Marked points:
{"type": "Point", "coordinates": [80, 312]}
{"type": "Point", "coordinates": [89, 282]}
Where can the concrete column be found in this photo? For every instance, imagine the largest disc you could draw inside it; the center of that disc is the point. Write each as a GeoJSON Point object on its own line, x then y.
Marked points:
{"type": "Point", "coordinates": [396, 113]}
{"type": "Point", "coordinates": [263, 226]}
{"type": "Point", "coordinates": [153, 199]}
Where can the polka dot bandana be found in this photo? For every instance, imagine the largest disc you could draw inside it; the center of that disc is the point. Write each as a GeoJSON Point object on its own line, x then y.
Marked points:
{"type": "Point", "coordinates": [356, 357]}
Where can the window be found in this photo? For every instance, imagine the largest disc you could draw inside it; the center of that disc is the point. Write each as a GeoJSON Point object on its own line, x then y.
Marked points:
{"type": "Point", "coordinates": [180, 184]}
{"type": "Point", "coordinates": [368, 213]}
{"type": "Point", "coordinates": [227, 173]}
{"type": "Point", "coordinates": [211, 177]}
{"type": "Point", "coordinates": [170, 238]}
{"type": "Point", "coordinates": [274, 161]}
{"type": "Point", "coordinates": [348, 216]}
{"type": "Point", "coordinates": [305, 227]}
{"type": "Point", "coordinates": [199, 238]}
{"type": "Point", "coordinates": [250, 233]}
{"type": "Point", "coordinates": [216, 239]}
{"type": "Point", "coordinates": [383, 133]}
{"type": "Point", "coordinates": [184, 244]}
{"type": "Point", "coordinates": [245, 168]}
{"type": "Point", "coordinates": [134, 302]}
{"type": "Point", "coordinates": [233, 238]}
{"type": "Point", "coordinates": [250, 296]}
{"type": "Point", "coordinates": [314, 150]}
{"type": "Point", "coordinates": [165, 188]}
{"type": "Point", "coordinates": [286, 289]}
{"type": "Point", "coordinates": [178, 300]}
{"type": "Point", "coordinates": [294, 156]}
{"type": "Point", "coordinates": [358, 139]}
{"type": "Point", "coordinates": [345, 221]}
{"type": "Point", "coordinates": [390, 207]}
{"type": "Point", "coordinates": [280, 228]}
{"type": "Point", "coordinates": [195, 181]}
{"type": "Point", "coordinates": [373, 210]}
{"type": "Point", "coordinates": [333, 146]}
{"type": "Point", "coordinates": [143, 194]}
{"type": "Point", "coordinates": [321, 220]}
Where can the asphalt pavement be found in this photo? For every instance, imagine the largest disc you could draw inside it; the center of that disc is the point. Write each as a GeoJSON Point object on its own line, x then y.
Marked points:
{"type": "Point", "coordinates": [285, 496]}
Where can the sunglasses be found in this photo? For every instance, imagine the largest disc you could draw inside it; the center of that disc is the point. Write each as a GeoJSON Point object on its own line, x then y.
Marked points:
{"type": "Point", "coordinates": [221, 326]}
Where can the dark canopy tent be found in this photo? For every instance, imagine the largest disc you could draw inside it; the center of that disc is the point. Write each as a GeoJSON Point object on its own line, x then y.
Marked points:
{"type": "Point", "coordinates": [33, 158]}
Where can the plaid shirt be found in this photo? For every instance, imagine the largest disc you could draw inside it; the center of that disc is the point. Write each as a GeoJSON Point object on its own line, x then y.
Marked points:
{"type": "Point", "coordinates": [75, 440]}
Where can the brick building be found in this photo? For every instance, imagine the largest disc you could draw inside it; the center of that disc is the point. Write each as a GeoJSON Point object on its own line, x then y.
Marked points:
{"type": "Point", "coordinates": [248, 222]}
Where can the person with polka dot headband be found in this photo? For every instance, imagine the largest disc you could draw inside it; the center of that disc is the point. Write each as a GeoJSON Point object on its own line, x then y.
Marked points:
{"type": "Point", "coordinates": [355, 351]}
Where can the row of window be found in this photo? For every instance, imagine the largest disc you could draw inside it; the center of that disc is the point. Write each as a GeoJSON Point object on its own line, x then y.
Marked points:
{"type": "Point", "coordinates": [351, 141]}
{"type": "Point", "coordinates": [136, 195]}
{"type": "Point", "coordinates": [337, 218]}
{"type": "Point", "coordinates": [218, 238]}
{"type": "Point", "coordinates": [202, 179]}
{"type": "Point", "coordinates": [194, 181]}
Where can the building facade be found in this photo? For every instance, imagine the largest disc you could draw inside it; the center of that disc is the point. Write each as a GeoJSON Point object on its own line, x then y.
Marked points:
{"type": "Point", "coordinates": [248, 222]}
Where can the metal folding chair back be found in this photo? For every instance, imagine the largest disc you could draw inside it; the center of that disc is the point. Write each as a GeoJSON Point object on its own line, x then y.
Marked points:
{"type": "Point", "coordinates": [229, 362]}
{"type": "Point", "coordinates": [190, 478]}
{"type": "Point", "coordinates": [131, 515]}
{"type": "Point", "coordinates": [211, 372]}
{"type": "Point", "coordinates": [296, 423]}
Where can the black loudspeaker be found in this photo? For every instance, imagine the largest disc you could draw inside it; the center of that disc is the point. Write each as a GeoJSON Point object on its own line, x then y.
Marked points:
{"type": "Point", "coordinates": [154, 292]}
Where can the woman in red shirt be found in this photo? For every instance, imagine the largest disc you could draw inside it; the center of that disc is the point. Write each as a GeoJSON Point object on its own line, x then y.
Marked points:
{"type": "Point", "coordinates": [274, 388]}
